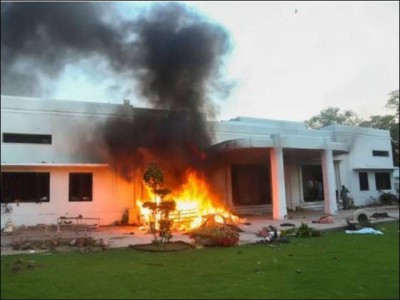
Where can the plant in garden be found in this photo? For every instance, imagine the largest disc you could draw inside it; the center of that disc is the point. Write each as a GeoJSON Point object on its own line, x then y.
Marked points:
{"type": "Point", "coordinates": [288, 232]}
{"type": "Point", "coordinates": [304, 230]}
{"type": "Point", "coordinates": [388, 198]}
{"type": "Point", "coordinates": [216, 235]}
{"type": "Point", "coordinates": [154, 178]}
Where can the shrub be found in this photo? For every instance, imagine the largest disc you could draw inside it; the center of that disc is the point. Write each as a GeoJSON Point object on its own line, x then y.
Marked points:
{"type": "Point", "coordinates": [288, 232]}
{"type": "Point", "coordinates": [388, 198]}
{"type": "Point", "coordinates": [216, 235]}
{"type": "Point", "coordinates": [154, 178]}
{"type": "Point", "coordinates": [304, 230]}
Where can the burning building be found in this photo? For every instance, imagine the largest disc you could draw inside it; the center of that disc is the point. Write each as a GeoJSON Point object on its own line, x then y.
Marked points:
{"type": "Point", "coordinates": [55, 162]}
{"type": "Point", "coordinates": [71, 158]}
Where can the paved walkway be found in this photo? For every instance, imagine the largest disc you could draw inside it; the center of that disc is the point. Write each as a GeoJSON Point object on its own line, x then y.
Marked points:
{"type": "Point", "coordinates": [123, 236]}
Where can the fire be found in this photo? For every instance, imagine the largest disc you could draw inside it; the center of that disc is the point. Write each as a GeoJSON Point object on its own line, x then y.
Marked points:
{"type": "Point", "coordinates": [194, 202]}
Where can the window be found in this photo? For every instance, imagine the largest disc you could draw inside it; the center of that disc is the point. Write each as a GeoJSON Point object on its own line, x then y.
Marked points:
{"type": "Point", "coordinates": [380, 153]}
{"type": "Point", "coordinates": [364, 186]}
{"type": "Point", "coordinates": [25, 187]}
{"type": "Point", "coordinates": [382, 181]}
{"type": "Point", "coordinates": [80, 186]}
{"type": "Point", "coordinates": [26, 138]}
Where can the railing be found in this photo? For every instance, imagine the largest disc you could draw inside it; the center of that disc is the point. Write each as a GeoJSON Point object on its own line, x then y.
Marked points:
{"type": "Point", "coordinates": [80, 221]}
{"type": "Point", "coordinates": [183, 217]}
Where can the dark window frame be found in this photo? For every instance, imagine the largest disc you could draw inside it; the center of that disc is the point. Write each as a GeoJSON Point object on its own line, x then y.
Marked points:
{"type": "Point", "coordinates": [25, 187]}
{"type": "Point", "coordinates": [27, 138]}
{"type": "Point", "coordinates": [382, 181]}
{"type": "Point", "coordinates": [363, 180]}
{"type": "Point", "coordinates": [80, 187]}
{"type": "Point", "coordinates": [380, 153]}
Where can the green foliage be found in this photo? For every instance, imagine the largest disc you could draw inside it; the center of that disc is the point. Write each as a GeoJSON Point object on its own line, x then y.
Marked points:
{"type": "Point", "coordinates": [334, 266]}
{"type": "Point", "coordinates": [304, 231]}
{"type": "Point", "coordinates": [154, 178]}
{"type": "Point", "coordinates": [388, 198]}
{"type": "Point", "coordinates": [288, 232]}
{"type": "Point", "coordinates": [164, 230]}
{"type": "Point", "coordinates": [162, 192]}
{"type": "Point", "coordinates": [165, 207]}
{"type": "Point", "coordinates": [388, 122]}
{"type": "Point", "coordinates": [163, 225]}
{"type": "Point", "coordinates": [218, 235]}
{"type": "Point", "coordinates": [380, 122]}
{"type": "Point", "coordinates": [333, 115]}
{"type": "Point", "coordinates": [150, 205]}
{"type": "Point", "coordinates": [393, 102]}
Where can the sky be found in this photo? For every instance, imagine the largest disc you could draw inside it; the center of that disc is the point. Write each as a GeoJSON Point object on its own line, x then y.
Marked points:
{"type": "Point", "coordinates": [294, 59]}
{"type": "Point", "coordinates": [290, 60]}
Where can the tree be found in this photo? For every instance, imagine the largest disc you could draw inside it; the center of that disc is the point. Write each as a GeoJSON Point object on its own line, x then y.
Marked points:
{"type": "Point", "coordinates": [379, 122]}
{"type": "Point", "coordinates": [393, 103]}
{"type": "Point", "coordinates": [333, 115]}
{"type": "Point", "coordinates": [153, 177]}
{"type": "Point", "coordinates": [388, 122]}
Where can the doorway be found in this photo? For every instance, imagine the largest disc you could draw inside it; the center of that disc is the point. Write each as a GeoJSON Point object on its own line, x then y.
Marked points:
{"type": "Point", "coordinates": [313, 189]}
{"type": "Point", "coordinates": [251, 185]}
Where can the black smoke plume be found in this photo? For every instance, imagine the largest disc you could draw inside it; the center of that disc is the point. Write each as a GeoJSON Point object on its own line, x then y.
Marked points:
{"type": "Point", "coordinates": [43, 38]}
{"type": "Point", "coordinates": [172, 53]}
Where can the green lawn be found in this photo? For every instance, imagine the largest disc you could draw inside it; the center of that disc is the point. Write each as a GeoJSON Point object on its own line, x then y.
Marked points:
{"type": "Point", "coordinates": [334, 265]}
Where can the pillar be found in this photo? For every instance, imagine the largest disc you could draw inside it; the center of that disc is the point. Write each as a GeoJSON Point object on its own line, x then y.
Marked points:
{"type": "Point", "coordinates": [328, 174]}
{"type": "Point", "coordinates": [279, 210]}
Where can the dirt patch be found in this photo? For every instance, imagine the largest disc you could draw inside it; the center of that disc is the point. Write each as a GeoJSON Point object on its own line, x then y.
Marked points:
{"type": "Point", "coordinates": [164, 247]}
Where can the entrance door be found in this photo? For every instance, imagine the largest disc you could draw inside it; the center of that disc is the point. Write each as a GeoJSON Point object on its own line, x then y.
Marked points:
{"type": "Point", "coordinates": [250, 185]}
{"type": "Point", "coordinates": [312, 183]}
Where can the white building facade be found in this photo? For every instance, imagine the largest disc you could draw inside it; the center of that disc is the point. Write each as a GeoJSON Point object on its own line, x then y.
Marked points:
{"type": "Point", "coordinates": [267, 165]}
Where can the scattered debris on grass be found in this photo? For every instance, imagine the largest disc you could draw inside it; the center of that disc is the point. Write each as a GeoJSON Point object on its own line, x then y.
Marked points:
{"type": "Point", "coordinates": [325, 220]}
{"type": "Point", "coordinates": [365, 230]}
{"type": "Point", "coordinates": [56, 243]}
{"type": "Point", "coordinates": [163, 247]}
{"type": "Point", "coordinates": [380, 215]}
{"type": "Point", "coordinates": [22, 265]}
{"type": "Point", "coordinates": [287, 225]}
{"type": "Point", "coordinates": [270, 233]}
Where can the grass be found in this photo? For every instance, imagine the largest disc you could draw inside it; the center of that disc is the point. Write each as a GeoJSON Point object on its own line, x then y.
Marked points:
{"type": "Point", "coordinates": [332, 266]}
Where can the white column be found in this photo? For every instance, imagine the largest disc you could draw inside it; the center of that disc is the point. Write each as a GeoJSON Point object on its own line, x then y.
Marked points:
{"type": "Point", "coordinates": [328, 174]}
{"type": "Point", "coordinates": [228, 186]}
{"type": "Point", "coordinates": [279, 210]}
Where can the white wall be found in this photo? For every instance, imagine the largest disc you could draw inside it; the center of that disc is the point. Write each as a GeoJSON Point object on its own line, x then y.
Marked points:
{"type": "Point", "coordinates": [111, 196]}
{"type": "Point", "coordinates": [361, 142]}
{"type": "Point", "coordinates": [72, 124]}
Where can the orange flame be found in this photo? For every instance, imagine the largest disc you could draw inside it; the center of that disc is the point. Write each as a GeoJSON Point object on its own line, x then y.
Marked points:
{"type": "Point", "coordinates": [194, 201]}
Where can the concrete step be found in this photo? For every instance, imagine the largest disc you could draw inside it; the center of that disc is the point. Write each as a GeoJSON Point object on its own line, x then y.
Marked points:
{"type": "Point", "coordinates": [251, 210]}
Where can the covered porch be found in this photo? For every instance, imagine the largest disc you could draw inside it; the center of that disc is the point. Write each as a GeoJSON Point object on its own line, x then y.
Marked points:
{"type": "Point", "coordinates": [270, 176]}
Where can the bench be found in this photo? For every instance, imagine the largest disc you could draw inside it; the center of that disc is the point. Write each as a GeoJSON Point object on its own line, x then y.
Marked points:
{"type": "Point", "coordinates": [77, 223]}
